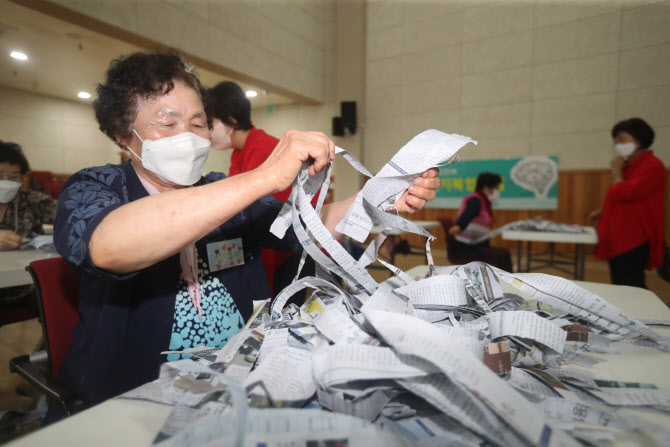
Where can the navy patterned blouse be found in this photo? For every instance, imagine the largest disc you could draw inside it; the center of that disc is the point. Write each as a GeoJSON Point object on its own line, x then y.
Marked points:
{"type": "Point", "coordinates": [127, 320]}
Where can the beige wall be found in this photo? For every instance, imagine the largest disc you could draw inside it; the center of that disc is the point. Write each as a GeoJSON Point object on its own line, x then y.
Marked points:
{"type": "Point", "coordinates": [344, 81]}
{"type": "Point", "coordinates": [524, 78]}
{"type": "Point", "coordinates": [283, 43]}
{"type": "Point", "coordinates": [287, 44]}
{"type": "Point", "coordinates": [541, 77]}
{"type": "Point", "coordinates": [56, 135]}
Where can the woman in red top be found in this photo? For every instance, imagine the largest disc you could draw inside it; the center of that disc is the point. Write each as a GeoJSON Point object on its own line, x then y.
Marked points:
{"type": "Point", "coordinates": [631, 225]}
{"type": "Point", "coordinates": [229, 110]}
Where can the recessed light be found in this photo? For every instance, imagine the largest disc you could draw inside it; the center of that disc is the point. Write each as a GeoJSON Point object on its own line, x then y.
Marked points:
{"type": "Point", "coordinates": [18, 55]}
{"type": "Point", "coordinates": [84, 95]}
{"type": "Point", "coordinates": [251, 94]}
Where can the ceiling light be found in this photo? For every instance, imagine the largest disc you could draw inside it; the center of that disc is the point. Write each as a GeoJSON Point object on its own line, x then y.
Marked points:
{"type": "Point", "coordinates": [18, 55]}
{"type": "Point", "coordinates": [251, 94]}
{"type": "Point", "coordinates": [84, 95]}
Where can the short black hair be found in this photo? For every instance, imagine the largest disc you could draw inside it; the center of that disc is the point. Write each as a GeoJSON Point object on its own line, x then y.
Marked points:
{"type": "Point", "coordinates": [638, 129]}
{"type": "Point", "coordinates": [13, 154]}
{"type": "Point", "coordinates": [132, 78]}
{"type": "Point", "coordinates": [227, 102]}
{"type": "Point", "coordinates": [488, 179]}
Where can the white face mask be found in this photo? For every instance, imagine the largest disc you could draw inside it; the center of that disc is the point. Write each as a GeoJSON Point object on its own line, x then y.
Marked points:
{"type": "Point", "coordinates": [221, 136]}
{"type": "Point", "coordinates": [625, 149]}
{"type": "Point", "coordinates": [494, 196]}
{"type": "Point", "coordinates": [8, 190]}
{"type": "Point", "coordinates": [179, 159]}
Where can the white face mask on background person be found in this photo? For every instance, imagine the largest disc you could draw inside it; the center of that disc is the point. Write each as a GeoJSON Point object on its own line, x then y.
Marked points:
{"type": "Point", "coordinates": [625, 149]}
{"type": "Point", "coordinates": [179, 159]}
{"type": "Point", "coordinates": [494, 196]}
{"type": "Point", "coordinates": [221, 133]}
{"type": "Point", "coordinates": [8, 190]}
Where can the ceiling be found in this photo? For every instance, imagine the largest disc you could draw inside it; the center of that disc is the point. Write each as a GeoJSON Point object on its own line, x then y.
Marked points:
{"type": "Point", "coordinates": [65, 59]}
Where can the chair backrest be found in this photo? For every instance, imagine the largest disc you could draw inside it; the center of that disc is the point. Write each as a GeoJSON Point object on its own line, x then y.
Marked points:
{"type": "Point", "coordinates": [58, 298]}
{"type": "Point", "coordinates": [447, 223]}
{"type": "Point", "coordinates": [42, 177]}
{"type": "Point", "coordinates": [54, 188]}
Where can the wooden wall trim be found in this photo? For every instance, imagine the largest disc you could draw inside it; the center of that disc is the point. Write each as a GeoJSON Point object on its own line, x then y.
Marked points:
{"type": "Point", "coordinates": [579, 192]}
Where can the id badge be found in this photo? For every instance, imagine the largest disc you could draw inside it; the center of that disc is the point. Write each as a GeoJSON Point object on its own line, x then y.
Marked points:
{"type": "Point", "coordinates": [225, 254]}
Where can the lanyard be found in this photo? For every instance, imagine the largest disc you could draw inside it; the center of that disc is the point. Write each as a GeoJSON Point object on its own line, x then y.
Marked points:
{"type": "Point", "coordinates": [188, 259]}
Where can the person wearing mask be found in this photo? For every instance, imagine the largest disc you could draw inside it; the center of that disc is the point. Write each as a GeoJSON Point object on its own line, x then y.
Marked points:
{"type": "Point", "coordinates": [229, 110]}
{"type": "Point", "coordinates": [22, 213]}
{"type": "Point", "coordinates": [146, 237]}
{"type": "Point", "coordinates": [630, 231]}
{"type": "Point", "coordinates": [475, 218]}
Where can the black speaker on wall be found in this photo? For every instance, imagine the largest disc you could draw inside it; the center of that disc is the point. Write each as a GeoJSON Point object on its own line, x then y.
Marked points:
{"type": "Point", "coordinates": [348, 112]}
{"type": "Point", "coordinates": [338, 127]}
{"type": "Point", "coordinates": [347, 121]}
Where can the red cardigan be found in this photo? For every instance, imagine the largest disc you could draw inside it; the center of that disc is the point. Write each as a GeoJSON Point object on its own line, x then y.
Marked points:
{"type": "Point", "coordinates": [257, 148]}
{"type": "Point", "coordinates": [633, 210]}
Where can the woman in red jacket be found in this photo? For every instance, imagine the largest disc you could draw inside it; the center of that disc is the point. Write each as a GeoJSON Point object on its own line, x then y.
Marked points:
{"type": "Point", "coordinates": [630, 232]}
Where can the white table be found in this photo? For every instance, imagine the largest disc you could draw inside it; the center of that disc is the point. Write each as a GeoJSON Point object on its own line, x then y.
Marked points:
{"type": "Point", "coordinates": [589, 236]}
{"type": "Point", "coordinates": [136, 423]}
{"type": "Point", "coordinates": [425, 224]}
{"type": "Point", "coordinates": [13, 265]}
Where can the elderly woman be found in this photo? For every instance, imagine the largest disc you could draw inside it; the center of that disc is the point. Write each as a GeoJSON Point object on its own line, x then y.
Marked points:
{"type": "Point", "coordinates": [144, 235]}
{"type": "Point", "coordinates": [22, 213]}
{"type": "Point", "coordinates": [630, 233]}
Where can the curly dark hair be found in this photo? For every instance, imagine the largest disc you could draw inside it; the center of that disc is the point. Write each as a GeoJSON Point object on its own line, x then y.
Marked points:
{"type": "Point", "coordinates": [638, 129]}
{"type": "Point", "coordinates": [227, 102]}
{"type": "Point", "coordinates": [132, 78]}
{"type": "Point", "coordinates": [13, 154]}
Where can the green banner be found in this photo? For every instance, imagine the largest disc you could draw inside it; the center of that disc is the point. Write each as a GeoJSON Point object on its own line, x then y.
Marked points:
{"type": "Point", "coordinates": [528, 182]}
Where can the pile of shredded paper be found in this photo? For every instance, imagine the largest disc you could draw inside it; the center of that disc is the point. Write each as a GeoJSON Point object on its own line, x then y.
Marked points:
{"type": "Point", "coordinates": [450, 357]}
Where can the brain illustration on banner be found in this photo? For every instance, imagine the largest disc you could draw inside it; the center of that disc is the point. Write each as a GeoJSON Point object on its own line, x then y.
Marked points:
{"type": "Point", "coordinates": [535, 174]}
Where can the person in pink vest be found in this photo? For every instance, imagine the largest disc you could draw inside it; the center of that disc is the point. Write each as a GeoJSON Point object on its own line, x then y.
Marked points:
{"type": "Point", "coordinates": [475, 219]}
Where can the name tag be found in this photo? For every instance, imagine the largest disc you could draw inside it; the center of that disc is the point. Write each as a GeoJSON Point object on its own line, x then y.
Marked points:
{"type": "Point", "coordinates": [225, 254]}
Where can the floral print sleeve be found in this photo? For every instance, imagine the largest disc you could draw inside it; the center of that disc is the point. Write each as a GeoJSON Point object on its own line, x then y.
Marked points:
{"type": "Point", "coordinates": [85, 200]}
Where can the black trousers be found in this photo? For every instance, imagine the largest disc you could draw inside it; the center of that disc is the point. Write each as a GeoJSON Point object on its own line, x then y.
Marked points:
{"type": "Point", "coordinates": [627, 269]}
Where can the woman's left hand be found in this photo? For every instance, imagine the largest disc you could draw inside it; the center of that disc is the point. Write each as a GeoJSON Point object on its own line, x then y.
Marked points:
{"type": "Point", "coordinates": [421, 192]}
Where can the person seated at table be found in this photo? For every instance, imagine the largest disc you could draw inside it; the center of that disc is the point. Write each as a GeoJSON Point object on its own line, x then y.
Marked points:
{"type": "Point", "coordinates": [149, 238]}
{"type": "Point", "coordinates": [475, 218]}
{"type": "Point", "coordinates": [630, 232]}
{"type": "Point", "coordinates": [22, 213]}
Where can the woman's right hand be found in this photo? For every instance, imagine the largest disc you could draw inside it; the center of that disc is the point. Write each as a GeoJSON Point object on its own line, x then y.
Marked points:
{"type": "Point", "coordinates": [454, 230]}
{"type": "Point", "coordinates": [285, 162]}
{"type": "Point", "coordinates": [594, 216]}
{"type": "Point", "coordinates": [9, 240]}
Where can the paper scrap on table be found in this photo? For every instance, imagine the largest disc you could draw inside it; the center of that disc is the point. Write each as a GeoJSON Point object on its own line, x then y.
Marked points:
{"type": "Point", "coordinates": [446, 359]}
